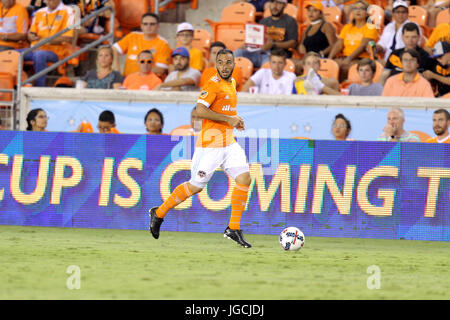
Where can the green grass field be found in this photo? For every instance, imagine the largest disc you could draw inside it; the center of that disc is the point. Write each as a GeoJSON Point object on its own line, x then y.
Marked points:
{"type": "Point", "coordinates": [129, 264]}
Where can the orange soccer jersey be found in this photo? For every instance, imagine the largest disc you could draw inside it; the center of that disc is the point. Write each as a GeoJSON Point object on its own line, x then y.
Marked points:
{"type": "Point", "coordinates": [435, 140]}
{"type": "Point", "coordinates": [220, 96]}
{"type": "Point", "coordinates": [134, 42]}
{"type": "Point", "coordinates": [13, 20]}
{"type": "Point", "coordinates": [46, 24]}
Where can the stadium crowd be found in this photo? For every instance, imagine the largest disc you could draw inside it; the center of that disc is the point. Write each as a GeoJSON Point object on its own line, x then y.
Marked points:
{"type": "Point", "coordinates": [374, 48]}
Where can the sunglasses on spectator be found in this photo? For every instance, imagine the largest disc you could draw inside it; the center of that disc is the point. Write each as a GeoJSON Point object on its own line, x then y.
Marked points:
{"type": "Point", "coordinates": [146, 61]}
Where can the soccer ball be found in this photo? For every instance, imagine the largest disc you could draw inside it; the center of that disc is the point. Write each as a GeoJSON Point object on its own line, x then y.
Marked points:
{"type": "Point", "coordinates": [292, 239]}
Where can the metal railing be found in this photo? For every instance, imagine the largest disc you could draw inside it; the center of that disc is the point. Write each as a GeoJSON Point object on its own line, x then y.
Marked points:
{"type": "Point", "coordinates": [55, 65]}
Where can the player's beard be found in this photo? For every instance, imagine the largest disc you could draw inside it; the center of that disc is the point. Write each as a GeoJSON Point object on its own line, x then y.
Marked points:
{"type": "Point", "coordinates": [439, 131]}
{"type": "Point", "coordinates": [225, 78]}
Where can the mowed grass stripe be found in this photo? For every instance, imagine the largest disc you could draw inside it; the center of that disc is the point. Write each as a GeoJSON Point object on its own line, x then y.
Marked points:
{"type": "Point", "coordinates": [130, 264]}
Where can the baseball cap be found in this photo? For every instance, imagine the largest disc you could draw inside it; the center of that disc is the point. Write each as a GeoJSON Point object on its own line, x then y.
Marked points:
{"type": "Point", "coordinates": [180, 51]}
{"type": "Point", "coordinates": [399, 3]}
{"type": "Point", "coordinates": [185, 26]}
{"type": "Point", "coordinates": [315, 4]}
{"type": "Point", "coordinates": [440, 48]}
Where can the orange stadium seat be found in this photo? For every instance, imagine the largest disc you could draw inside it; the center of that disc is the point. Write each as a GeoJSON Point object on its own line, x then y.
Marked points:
{"type": "Point", "coordinates": [443, 17]}
{"type": "Point", "coordinates": [329, 69]}
{"type": "Point", "coordinates": [333, 14]}
{"type": "Point", "coordinates": [422, 135]}
{"type": "Point", "coordinates": [129, 13]}
{"type": "Point", "coordinates": [246, 67]}
{"type": "Point", "coordinates": [9, 63]}
{"type": "Point", "coordinates": [239, 12]}
{"type": "Point", "coordinates": [25, 3]}
{"type": "Point", "coordinates": [202, 41]}
{"type": "Point", "coordinates": [419, 15]}
{"type": "Point", "coordinates": [6, 82]}
{"type": "Point", "coordinates": [232, 34]}
{"type": "Point", "coordinates": [353, 76]}
{"type": "Point", "coordinates": [290, 66]}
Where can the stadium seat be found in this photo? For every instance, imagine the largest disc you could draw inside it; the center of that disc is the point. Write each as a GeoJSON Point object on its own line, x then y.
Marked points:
{"type": "Point", "coordinates": [9, 63]}
{"type": "Point", "coordinates": [129, 13]}
{"type": "Point", "coordinates": [419, 15]}
{"type": "Point", "coordinates": [202, 41]}
{"type": "Point", "coordinates": [376, 15]}
{"type": "Point", "coordinates": [329, 69]}
{"type": "Point", "coordinates": [6, 82]}
{"type": "Point", "coordinates": [25, 3]}
{"type": "Point", "coordinates": [246, 67]}
{"type": "Point", "coordinates": [353, 76]}
{"type": "Point", "coordinates": [422, 135]}
{"type": "Point", "coordinates": [238, 12]}
{"type": "Point", "coordinates": [232, 34]}
{"type": "Point", "coordinates": [443, 17]}
{"type": "Point", "coordinates": [290, 9]}
{"type": "Point", "coordinates": [290, 66]}
{"type": "Point", "coordinates": [334, 16]}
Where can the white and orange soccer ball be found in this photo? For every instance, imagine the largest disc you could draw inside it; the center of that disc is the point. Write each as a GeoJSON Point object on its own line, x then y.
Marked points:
{"type": "Point", "coordinates": [292, 239]}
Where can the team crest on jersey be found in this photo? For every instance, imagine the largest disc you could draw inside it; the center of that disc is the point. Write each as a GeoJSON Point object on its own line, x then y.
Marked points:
{"type": "Point", "coordinates": [203, 94]}
{"type": "Point", "coordinates": [201, 174]}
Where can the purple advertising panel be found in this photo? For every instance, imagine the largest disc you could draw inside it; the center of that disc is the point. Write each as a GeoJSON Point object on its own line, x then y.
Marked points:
{"type": "Point", "coordinates": [326, 188]}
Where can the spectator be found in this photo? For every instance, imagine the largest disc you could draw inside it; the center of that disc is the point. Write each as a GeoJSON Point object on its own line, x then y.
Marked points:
{"type": "Point", "coordinates": [13, 24]}
{"type": "Point", "coordinates": [104, 77]}
{"type": "Point", "coordinates": [148, 39]}
{"type": "Point", "coordinates": [311, 82]}
{"type": "Point", "coordinates": [63, 82]}
{"type": "Point", "coordinates": [366, 71]}
{"type": "Point", "coordinates": [189, 130]}
{"type": "Point", "coordinates": [281, 32]}
{"type": "Point", "coordinates": [154, 121]}
{"type": "Point", "coordinates": [341, 127]}
{"type": "Point", "coordinates": [391, 39]}
{"type": "Point", "coordinates": [185, 35]}
{"type": "Point", "coordinates": [320, 34]}
{"type": "Point", "coordinates": [411, 38]}
{"type": "Point", "coordinates": [144, 79]}
{"type": "Point", "coordinates": [106, 124]}
{"type": "Point", "coordinates": [439, 66]}
{"type": "Point", "coordinates": [274, 80]}
{"type": "Point", "coordinates": [441, 122]}
{"type": "Point", "coordinates": [353, 40]}
{"type": "Point", "coordinates": [394, 131]}
{"type": "Point", "coordinates": [211, 71]}
{"type": "Point", "coordinates": [99, 24]}
{"type": "Point", "coordinates": [184, 77]}
{"type": "Point", "coordinates": [37, 120]}
{"type": "Point", "coordinates": [409, 83]}
{"type": "Point", "coordinates": [440, 33]}
{"type": "Point", "coordinates": [47, 22]}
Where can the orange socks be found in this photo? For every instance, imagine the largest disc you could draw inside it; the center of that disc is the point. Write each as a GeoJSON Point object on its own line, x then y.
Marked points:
{"type": "Point", "coordinates": [181, 193]}
{"type": "Point", "coordinates": [238, 202]}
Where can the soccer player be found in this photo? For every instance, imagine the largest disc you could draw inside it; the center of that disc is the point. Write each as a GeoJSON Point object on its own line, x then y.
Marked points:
{"type": "Point", "coordinates": [216, 147]}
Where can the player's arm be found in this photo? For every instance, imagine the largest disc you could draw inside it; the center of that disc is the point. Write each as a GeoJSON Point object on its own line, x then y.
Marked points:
{"type": "Point", "coordinates": [206, 113]}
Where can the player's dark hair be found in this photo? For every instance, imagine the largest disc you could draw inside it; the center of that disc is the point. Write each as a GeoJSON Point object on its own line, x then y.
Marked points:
{"type": "Point", "coordinates": [31, 116]}
{"type": "Point", "coordinates": [219, 44]}
{"type": "Point", "coordinates": [410, 26]}
{"type": "Point", "coordinates": [413, 54]}
{"type": "Point", "coordinates": [347, 122]}
{"type": "Point", "coordinates": [107, 116]}
{"type": "Point", "coordinates": [159, 113]}
{"type": "Point", "coordinates": [150, 14]}
{"type": "Point", "coordinates": [224, 51]}
{"type": "Point", "coordinates": [447, 114]}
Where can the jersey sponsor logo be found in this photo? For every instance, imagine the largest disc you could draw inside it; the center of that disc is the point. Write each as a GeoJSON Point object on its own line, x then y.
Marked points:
{"type": "Point", "coordinates": [201, 174]}
{"type": "Point", "coordinates": [226, 108]}
{"type": "Point", "coordinates": [203, 94]}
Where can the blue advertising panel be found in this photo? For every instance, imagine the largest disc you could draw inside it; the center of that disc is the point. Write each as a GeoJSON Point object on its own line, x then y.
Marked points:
{"type": "Point", "coordinates": [326, 188]}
